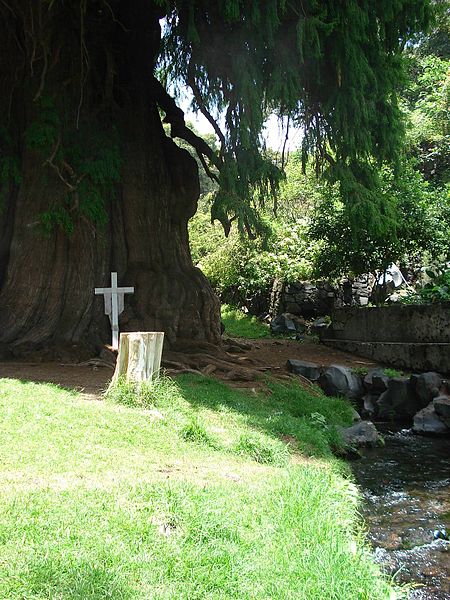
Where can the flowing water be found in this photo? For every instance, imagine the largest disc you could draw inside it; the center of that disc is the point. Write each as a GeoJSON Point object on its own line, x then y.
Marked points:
{"type": "Point", "coordinates": [406, 486]}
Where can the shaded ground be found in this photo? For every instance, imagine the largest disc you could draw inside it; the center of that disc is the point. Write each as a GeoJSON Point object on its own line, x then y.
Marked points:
{"type": "Point", "coordinates": [92, 380]}
{"type": "Point", "coordinates": [275, 353]}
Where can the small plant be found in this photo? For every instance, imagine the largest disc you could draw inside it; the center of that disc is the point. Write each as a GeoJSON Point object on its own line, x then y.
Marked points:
{"type": "Point", "coordinates": [318, 420]}
{"type": "Point", "coordinates": [360, 371]}
{"type": "Point", "coordinates": [435, 291]}
{"type": "Point", "coordinates": [195, 432]}
{"type": "Point", "coordinates": [263, 449]}
{"type": "Point", "coordinates": [392, 373]}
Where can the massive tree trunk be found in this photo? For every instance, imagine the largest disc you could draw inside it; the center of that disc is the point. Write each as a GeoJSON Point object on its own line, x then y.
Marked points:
{"type": "Point", "coordinates": [47, 280]}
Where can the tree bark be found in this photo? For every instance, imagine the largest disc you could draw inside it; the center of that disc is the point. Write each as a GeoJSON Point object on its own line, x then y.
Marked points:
{"type": "Point", "coordinates": [47, 283]}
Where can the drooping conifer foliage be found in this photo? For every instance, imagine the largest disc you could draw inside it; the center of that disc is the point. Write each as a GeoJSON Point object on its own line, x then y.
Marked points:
{"type": "Point", "coordinates": [91, 183]}
{"type": "Point", "coordinates": [333, 67]}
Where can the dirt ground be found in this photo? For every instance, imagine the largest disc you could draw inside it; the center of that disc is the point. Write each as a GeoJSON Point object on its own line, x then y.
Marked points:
{"type": "Point", "coordinates": [93, 380]}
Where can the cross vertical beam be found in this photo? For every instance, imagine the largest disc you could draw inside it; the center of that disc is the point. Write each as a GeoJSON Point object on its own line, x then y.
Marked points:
{"type": "Point", "coordinates": [114, 305]}
{"type": "Point", "coordinates": [114, 313]}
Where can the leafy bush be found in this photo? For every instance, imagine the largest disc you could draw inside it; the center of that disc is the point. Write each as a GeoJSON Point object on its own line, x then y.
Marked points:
{"type": "Point", "coordinates": [242, 270]}
{"type": "Point", "coordinates": [415, 223]}
{"type": "Point", "coordinates": [436, 290]}
{"type": "Point", "coordinates": [392, 372]}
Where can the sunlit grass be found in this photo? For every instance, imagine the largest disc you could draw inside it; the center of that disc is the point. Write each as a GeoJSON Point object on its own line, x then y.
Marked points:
{"type": "Point", "coordinates": [238, 324]}
{"type": "Point", "coordinates": [188, 491]}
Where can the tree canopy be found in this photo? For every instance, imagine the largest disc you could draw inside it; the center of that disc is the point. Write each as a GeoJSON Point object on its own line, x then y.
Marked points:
{"type": "Point", "coordinates": [333, 68]}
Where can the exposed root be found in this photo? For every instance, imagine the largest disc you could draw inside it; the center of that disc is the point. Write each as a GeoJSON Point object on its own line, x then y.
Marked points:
{"type": "Point", "coordinates": [227, 366]}
{"type": "Point", "coordinates": [93, 362]}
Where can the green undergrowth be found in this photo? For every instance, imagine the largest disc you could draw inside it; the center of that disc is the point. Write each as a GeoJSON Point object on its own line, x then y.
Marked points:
{"type": "Point", "coordinates": [183, 489]}
{"type": "Point", "coordinates": [238, 324]}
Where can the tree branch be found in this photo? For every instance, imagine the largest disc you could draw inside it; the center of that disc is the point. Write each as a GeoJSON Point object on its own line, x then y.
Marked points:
{"type": "Point", "coordinates": [175, 117]}
{"type": "Point", "coordinates": [198, 98]}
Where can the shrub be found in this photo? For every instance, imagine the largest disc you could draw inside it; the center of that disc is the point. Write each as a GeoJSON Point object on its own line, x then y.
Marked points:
{"type": "Point", "coordinates": [195, 432]}
{"type": "Point", "coordinates": [242, 270]}
{"type": "Point", "coordinates": [436, 290]}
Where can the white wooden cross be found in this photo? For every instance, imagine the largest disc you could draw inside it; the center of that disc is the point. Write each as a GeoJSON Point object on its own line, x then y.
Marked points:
{"type": "Point", "coordinates": [114, 305]}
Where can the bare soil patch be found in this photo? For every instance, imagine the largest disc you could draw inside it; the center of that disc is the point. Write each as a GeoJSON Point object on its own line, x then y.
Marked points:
{"type": "Point", "coordinates": [90, 381]}
{"type": "Point", "coordinates": [275, 353]}
{"type": "Point", "coordinates": [266, 356]}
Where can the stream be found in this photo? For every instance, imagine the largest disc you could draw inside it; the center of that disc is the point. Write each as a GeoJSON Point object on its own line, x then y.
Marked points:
{"type": "Point", "coordinates": [406, 487]}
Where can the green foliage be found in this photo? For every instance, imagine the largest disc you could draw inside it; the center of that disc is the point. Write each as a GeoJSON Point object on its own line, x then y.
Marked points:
{"type": "Point", "coordinates": [94, 160]}
{"type": "Point", "coordinates": [435, 290]}
{"type": "Point", "coordinates": [43, 131]}
{"type": "Point", "coordinates": [85, 159]}
{"type": "Point", "coordinates": [240, 269]}
{"type": "Point", "coordinates": [326, 241]}
{"type": "Point", "coordinates": [392, 373]}
{"type": "Point", "coordinates": [360, 371]}
{"type": "Point", "coordinates": [426, 101]}
{"type": "Point", "coordinates": [334, 68]}
{"type": "Point", "coordinates": [418, 224]}
{"type": "Point", "coordinates": [59, 215]}
{"type": "Point", "coordinates": [238, 324]}
{"type": "Point", "coordinates": [436, 40]}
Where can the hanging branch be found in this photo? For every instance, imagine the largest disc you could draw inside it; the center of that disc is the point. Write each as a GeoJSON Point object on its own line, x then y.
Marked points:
{"type": "Point", "coordinates": [198, 98]}
{"type": "Point", "coordinates": [286, 137]}
{"type": "Point", "coordinates": [175, 117]}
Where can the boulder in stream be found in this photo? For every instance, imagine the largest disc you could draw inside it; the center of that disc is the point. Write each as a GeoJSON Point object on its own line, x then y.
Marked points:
{"type": "Point", "coordinates": [399, 401]}
{"type": "Point", "coordinates": [340, 381]}
{"type": "Point", "coordinates": [442, 408]}
{"type": "Point", "coordinates": [361, 434]}
{"type": "Point", "coordinates": [426, 386]}
{"type": "Point", "coordinates": [369, 406]}
{"type": "Point", "coordinates": [428, 421]}
{"type": "Point", "coordinates": [376, 382]}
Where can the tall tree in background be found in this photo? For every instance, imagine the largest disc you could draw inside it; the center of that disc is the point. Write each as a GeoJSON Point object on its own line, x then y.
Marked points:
{"type": "Point", "coordinates": [426, 99]}
{"type": "Point", "coordinates": [90, 182]}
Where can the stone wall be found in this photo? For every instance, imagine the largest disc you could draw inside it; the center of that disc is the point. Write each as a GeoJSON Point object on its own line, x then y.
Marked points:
{"type": "Point", "coordinates": [405, 336]}
{"type": "Point", "coordinates": [426, 323]}
{"type": "Point", "coordinates": [313, 299]}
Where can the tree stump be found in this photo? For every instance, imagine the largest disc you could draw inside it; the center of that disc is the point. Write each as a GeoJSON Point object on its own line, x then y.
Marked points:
{"type": "Point", "coordinates": [139, 356]}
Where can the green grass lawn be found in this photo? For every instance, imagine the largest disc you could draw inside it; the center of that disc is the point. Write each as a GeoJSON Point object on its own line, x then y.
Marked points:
{"type": "Point", "coordinates": [238, 324]}
{"type": "Point", "coordinates": [184, 490]}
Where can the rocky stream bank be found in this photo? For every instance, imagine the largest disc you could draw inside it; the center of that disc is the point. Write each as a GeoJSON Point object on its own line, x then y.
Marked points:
{"type": "Point", "coordinates": [403, 468]}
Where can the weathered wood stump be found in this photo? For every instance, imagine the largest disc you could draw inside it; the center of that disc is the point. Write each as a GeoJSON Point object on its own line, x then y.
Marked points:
{"type": "Point", "coordinates": [139, 356]}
